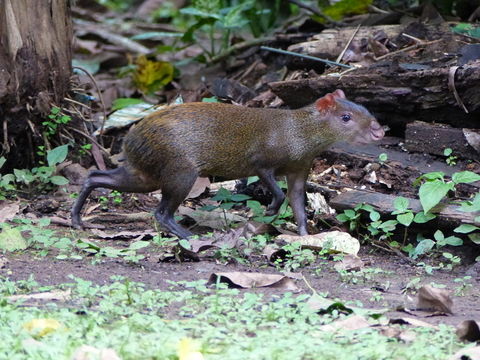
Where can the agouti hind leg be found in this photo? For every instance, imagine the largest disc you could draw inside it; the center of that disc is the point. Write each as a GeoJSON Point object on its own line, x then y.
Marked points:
{"type": "Point", "coordinates": [120, 179]}
{"type": "Point", "coordinates": [173, 194]}
{"type": "Point", "coordinates": [296, 196]}
{"type": "Point", "coordinates": [268, 178]}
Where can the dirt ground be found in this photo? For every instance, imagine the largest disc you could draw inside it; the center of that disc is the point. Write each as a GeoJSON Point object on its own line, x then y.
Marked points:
{"type": "Point", "coordinates": [388, 284]}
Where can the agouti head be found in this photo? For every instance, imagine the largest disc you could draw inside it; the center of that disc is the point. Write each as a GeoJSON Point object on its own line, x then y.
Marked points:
{"type": "Point", "coordinates": [348, 121]}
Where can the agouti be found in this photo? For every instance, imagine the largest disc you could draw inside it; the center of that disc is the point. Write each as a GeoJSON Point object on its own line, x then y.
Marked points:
{"type": "Point", "coordinates": [170, 148]}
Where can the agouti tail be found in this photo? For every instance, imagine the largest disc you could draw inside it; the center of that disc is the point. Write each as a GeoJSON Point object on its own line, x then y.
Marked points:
{"type": "Point", "coordinates": [170, 148]}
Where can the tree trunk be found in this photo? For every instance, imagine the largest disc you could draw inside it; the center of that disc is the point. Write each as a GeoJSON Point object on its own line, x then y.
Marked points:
{"type": "Point", "coordinates": [35, 69]}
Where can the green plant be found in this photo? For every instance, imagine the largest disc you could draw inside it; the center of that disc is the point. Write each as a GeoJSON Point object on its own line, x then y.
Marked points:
{"type": "Point", "coordinates": [55, 119]}
{"type": "Point", "coordinates": [434, 187]}
{"type": "Point", "coordinates": [296, 257]}
{"type": "Point", "coordinates": [473, 231]}
{"type": "Point", "coordinates": [464, 287]}
{"type": "Point", "coordinates": [451, 159]}
{"type": "Point", "coordinates": [382, 158]}
{"type": "Point", "coordinates": [85, 149]}
{"type": "Point", "coordinates": [130, 254]}
{"type": "Point", "coordinates": [230, 17]}
{"type": "Point", "coordinates": [362, 276]}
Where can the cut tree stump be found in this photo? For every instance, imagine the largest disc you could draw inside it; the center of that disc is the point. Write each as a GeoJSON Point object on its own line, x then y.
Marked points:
{"type": "Point", "coordinates": [448, 216]}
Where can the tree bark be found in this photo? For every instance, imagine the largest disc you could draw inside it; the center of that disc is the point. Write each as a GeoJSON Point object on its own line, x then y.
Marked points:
{"type": "Point", "coordinates": [35, 69]}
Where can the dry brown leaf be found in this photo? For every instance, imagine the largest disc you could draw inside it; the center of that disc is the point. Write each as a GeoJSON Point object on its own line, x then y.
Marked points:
{"type": "Point", "coordinates": [353, 322]}
{"type": "Point", "coordinates": [336, 241]}
{"type": "Point", "coordinates": [467, 354]}
{"type": "Point", "coordinates": [430, 298]}
{"type": "Point", "coordinates": [469, 330]}
{"type": "Point", "coordinates": [87, 352]}
{"type": "Point", "coordinates": [248, 280]}
{"type": "Point", "coordinates": [8, 210]}
{"type": "Point", "coordinates": [350, 263]}
{"type": "Point", "coordinates": [199, 187]}
{"type": "Point", "coordinates": [45, 296]}
{"type": "Point", "coordinates": [214, 219]}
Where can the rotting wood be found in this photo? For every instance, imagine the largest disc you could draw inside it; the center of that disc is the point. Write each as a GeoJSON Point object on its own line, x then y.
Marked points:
{"type": "Point", "coordinates": [448, 216]}
{"type": "Point", "coordinates": [397, 96]}
{"type": "Point", "coordinates": [435, 138]}
{"type": "Point", "coordinates": [331, 42]}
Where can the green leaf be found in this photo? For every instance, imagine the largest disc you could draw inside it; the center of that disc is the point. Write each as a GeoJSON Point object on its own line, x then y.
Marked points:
{"type": "Point", "coordinates": [453, 241]}
{"type": "Point", "coordinates": [240, 197]}
{"type": "Point", "coordinates": [139, 245]}
{"type": "Point", "coordinates": [475, 237]}
{"type": "Point", "coordinates": [374, 215]}
{"type": "Point", "coordinates": [212, 100]}
{"type": "Point", "coordinates": [351, 214]}
{"type": "Point", "coordinates": [121, 103]}
{"type": "Point", "coordinates": [400, 203]}
{"type": "Point", "coordinates": [11, 239]}
{"type": "Point", "coordinates": [465, 177]}
{"type": "Point", "coordinates": [423, 247]}
{"type": "Point", "coordinates": [342, 218]}
{"type": "Point", "coordinates": [447, 152]}
{"type": "Point", "coordinates": [436, 175]}
{"type": "Point", "coordinates": [438, 235]}
{"type": "Point", "coordinates": [2, 161]}
{"type": "Point", "coordinates": [388, 225]}
{"type": "Point", "coordinates": [185, 244]}
{"type": "Point", "coordinates": [432, 192]}
{"type": "Point", "coordinates": [466, 228]}
{"type": "Point", "coordinates": [252, 179]}
{"type": "Point", "coordinates": [57, 155]}
{"type": "Point", "coordinates": [421, 217]}
{"type": "Point", "coordinates": [405, 219]}
{"type": "Point", "coordinates": [222, 195]}
{"type": "Point", "coordinates": [59, 180]}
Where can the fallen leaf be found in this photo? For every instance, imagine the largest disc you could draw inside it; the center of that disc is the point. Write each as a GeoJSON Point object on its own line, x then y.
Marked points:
{"type": "Point", "coordinates": [8, 210]}
{"type": "Point", "coordinates": [189, 349]}
{"type": "Point", "coordinates": [336, 241]}
{"type": "Point", "coordinates": [214, 219]}
{"type": "Point", "coordinates": [350, 263]}
{"type": "Point", "coordinates": [353, 322]}
{"type": "Point", "coordinates": [472, 353]}
{"type": "Point", "coordinates": [248, 280]}
{"type": "Point", "coordinates": [318, 203]}
{"type": "Point", "coordinates": [199, 187]}
{"type": "Point", "coordinates": [468, 330]}
{"type": "Point", "coordinates": [430, 298]}
{"type": "Point", "coordinates": [87, 352]}
{"type": "Point", "coordinates": [50, 296]}
{"type": "Point", "coordinates": [273, 253]}
{"type": "Point", "coordinates": [11, 239]}
{"type": "Point", "coordinates": [42, 327]}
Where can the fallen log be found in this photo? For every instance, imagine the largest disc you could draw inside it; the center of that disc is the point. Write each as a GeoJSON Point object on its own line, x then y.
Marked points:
{"type": "Point", "coordinates": [396, 96]}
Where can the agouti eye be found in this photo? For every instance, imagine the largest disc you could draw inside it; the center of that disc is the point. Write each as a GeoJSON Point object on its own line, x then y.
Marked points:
{"type": "Point", "coordinates": [346, 117]}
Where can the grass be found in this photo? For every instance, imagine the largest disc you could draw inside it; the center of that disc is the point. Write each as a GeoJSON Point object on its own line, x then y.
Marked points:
{"type": "Point", "coordinates": [210, 323]}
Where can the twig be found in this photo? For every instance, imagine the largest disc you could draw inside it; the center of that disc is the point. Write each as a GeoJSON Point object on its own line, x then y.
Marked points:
{"type": "Point", "coordinates": [408, 48]}
{"type": "Point", "coordinates": [309, 286]}
{"type": "Point", "coordinates": [240, 46]}
{"type": "Point", "coordinates": [452, 88]}
{"type": "Point", "coordinates": [6, 146]}
{"type": "Point", "coordinates": [280, 51]}
{"type": "Point", "coordinates": [92, 139]}
{"type": "Point", "coordinates": [339, 58]}
{"type": "Point", "coordinates": [99, 96]}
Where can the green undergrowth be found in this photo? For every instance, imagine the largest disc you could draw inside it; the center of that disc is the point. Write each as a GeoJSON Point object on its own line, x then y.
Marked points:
{"type": "Point", "coordinates": [141, 323]}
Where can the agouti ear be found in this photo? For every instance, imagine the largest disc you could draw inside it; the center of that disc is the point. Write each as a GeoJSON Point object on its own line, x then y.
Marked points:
{"type": "Point", "coordinates": [339, 94]}
{"type": "Point", "coordinates": [325, 103]}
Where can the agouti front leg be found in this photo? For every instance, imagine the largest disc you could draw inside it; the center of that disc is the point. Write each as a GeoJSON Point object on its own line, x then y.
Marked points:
{"type": "Point", "coordinates": [120, 179]}
{"type": "Point", "coordinates": [296, 195]}
{"type": "Point", "coordinates": [268, 178]}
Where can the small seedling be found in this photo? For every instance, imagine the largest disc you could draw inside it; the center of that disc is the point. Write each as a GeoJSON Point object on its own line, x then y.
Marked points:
{"type": "Point", "coordinates": [451, 159]}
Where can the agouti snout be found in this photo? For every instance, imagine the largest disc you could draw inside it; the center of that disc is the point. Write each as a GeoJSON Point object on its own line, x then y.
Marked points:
{"type": "Point", "coordinates": [170, 148]}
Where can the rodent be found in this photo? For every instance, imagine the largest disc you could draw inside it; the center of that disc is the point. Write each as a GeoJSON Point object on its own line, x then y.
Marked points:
{"type": "Point", "coordinates": [170, 148]}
